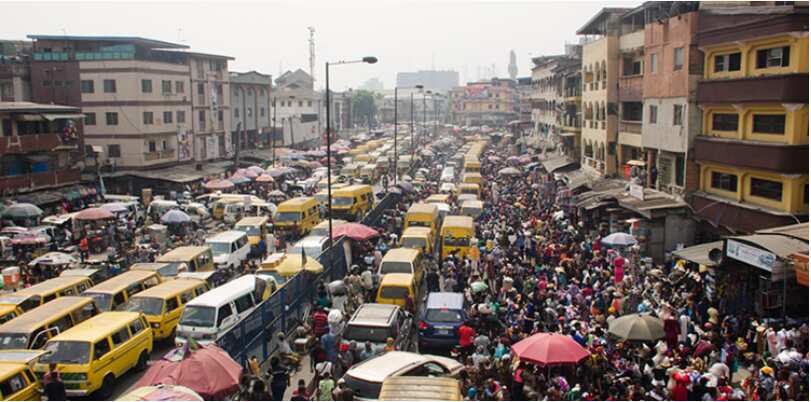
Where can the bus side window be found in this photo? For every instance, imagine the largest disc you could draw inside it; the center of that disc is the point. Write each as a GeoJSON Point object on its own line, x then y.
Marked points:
{"type": "Point", "coordinates": [101, 348]}
{"type": "Point", "coordinates": [171, 304]}
{"type": "Point", "coordinates": [49, 298]}
{"type": "Point", "coordinates": [186, 297]}
{"type": "Point", "coordinates": [39, 340]}
{"type": "Point", "coordinates": [83, 286]}
{"type": "Point", "coordinates": [118, 299]}
{"type": "Point", "coordinates": [62, 323]}
{"type": "Point", "coordinates": [151, 281]}
{"type": "Point", "coordinates": [67, 292]}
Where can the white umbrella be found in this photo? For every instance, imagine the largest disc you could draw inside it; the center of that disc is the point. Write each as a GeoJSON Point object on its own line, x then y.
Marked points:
{"type": "Point", "coordinates": [619, 239]}
{"type": "Point", "coordinates": [115, 207]}
{"type": "Point", "coordinates": [54, 258]}
{"type": "Point", "coordinates": [509, 171]}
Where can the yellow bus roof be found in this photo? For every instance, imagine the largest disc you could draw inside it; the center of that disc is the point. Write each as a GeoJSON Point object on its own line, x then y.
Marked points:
{"type": "Point", "coordinates": [97, 327]}
{"type": "Point", "coordinates": [459, 221]}
{"type": "Point", "coordinates": [349, 190]}
{"type": "Point", "coordinates": [397, 279]}
{"type": "Point", "coordinates": [416, 231]}
{"type": "Point", "coordinates": [252, 221]}
{"type": "Point", "coordinates": [121, 281]}
{"type": "Point", "coordinates": [437, 198]}
{"type": "Point", "coordinates": [35, 318]}
{"type": "Point", "coordinates": [170, 288]}
{"type": "Point", "coordinates": [423, 208]}
{"type": "Point", "coordinates": [401, 254]}
{"type": "Point", "coordinates": [148, 266]}
{"type": "Point", "coordinates": [472, 174]}
{"type": "Point", "coordinates": [51, 285]}
{"type": "Point", "coordinates": [468, 185]}
{"type": "Point", "coordinates": [294, 204]}
{"type": "Point", "coordinates": [9, 369]}
{"type": "Point", "coordinates": [406, 388]}
{"type": "Point", "coordinates": [7, 308]}
{"type": "Point", "coordinates": [182, 254]}
{"type": "Point", "coordinates": [472, 204]}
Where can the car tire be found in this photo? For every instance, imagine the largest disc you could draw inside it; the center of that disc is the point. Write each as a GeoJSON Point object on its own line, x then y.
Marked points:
{"type": "Point", "coordinates": [106, 390]}
{"type": "Point", "coordinates": [143, 360]}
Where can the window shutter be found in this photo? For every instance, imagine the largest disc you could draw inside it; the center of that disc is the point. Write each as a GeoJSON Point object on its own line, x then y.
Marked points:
{"type": "Point", "coordinates": [786, 54]}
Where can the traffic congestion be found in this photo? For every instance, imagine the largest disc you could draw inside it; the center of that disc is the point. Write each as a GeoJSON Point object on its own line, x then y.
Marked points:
{"type": "Point", "coordinates": [466, 273]}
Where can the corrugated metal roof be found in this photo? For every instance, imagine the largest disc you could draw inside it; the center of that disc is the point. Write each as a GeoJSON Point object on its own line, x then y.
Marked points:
{"type": "Point", "coordinates": [700, 254]}
{"type": "Point", "coordinates": [779, 245]}
{"type": "Point", "coordinates": [799, 231]}
{"type": "Point", "coordinates": [135, 39]}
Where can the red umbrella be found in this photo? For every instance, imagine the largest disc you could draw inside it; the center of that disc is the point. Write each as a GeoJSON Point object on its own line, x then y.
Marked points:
{"type": "Point", "coordinates": [550, 349]}
{"type": "Point", "coordinates": [209, 371]}
{"type": "Point", "coordinates": [219, 185]}
{"type": "Point", "coordinates": [264, 178]}
{"type": "Point", "coordinates": [355, 231]}
{"type": "Point", "coordinates": [93, 214]}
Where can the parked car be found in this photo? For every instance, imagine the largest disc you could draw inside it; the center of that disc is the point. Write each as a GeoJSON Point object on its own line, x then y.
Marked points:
{"type": "Point", "coordinates": [366, 378]}
{"type": "Point", "coordinates": [439, 322]}
{"type": "Point", "coordinates": [376, 322]}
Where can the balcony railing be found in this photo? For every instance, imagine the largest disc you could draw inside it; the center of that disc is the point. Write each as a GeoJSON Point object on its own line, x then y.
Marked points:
{"type": "Point", "coordinates": [34, 180]}
{"type": "Point", "coordinates": [158, 155]}
{"type": "Point", "coordinates": [24, 144]}
{"type": "Point", "coordinates": [634, 127]}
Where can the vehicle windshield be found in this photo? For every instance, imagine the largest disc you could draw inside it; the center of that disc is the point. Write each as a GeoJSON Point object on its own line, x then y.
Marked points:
{"type": "Point", "coordinates": [321, 198]}
{"type": "Point", "coordinates": [74, 352]}
{"type": "Point", "coordinates": [198, 316]}
{"type": "Point", "coordinates": [443, 315]}
{"type": "Point", "coordinates": [288, 216]}
{"type": "Point", "coordinates": [103, 301]}
{"type": "Point", "coordinates": [218, 248]}
{"type": "Point", "coordinates": [401, 267]}
{"type": "Point", "coordinates": [393, 292]}
{"type": "Point", "coordinates": [413, 242]}
{"type": "Point", "coordinates": [456, 241]}
{"type": "Point", "coordinates": [312, 252]}
{"type": "Point", "coordinates": [342, 201]}
{"type": "Point", "coordinates": [13, 341]}
{"type": "Point", "coordinates": [359, 333]}
{"type": "Point", "coordinates": [146, 305]}
{"type": "Point", "coordinates": [422, 224]}
{"type": "Point", "coordinates": [249, 230]}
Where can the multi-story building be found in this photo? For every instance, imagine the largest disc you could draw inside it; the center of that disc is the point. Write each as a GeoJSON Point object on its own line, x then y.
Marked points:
{"type": "Point", "coordinates": [600, 65]}
{"type": "Point", "coordinates": [298, 108]}
{"type": "Point", "coordinates": [630, 68]}
{"type": "Point", "coordinates": [251, 109]}
{"type": "Point", "coordinates": [571, 115]}
{"type": "Point", "coordinates": [491, 103]}
{"type": "Point", "coordinates": [40, 145]}
{"type": "Point", "coordinates": [552, 107]}
{"type": "Point", "coordinates": [146, 102]}
{"type": "Point", "coordinates": [524, 88]}
{"type": "Point", "coordinates": [15, 71]}
{"type": "Point", "coordinates": [670, 116]}
{"type": "Point", "coordinates": [753, 147]}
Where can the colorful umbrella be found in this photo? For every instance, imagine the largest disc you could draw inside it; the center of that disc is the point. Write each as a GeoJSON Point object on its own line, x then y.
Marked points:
{"type": "Point", "coordinates": [161, 392]}
{"type": "Point", "coordinates": [264, 178]}
{"type": "Point", "coordinates": [249, 174]}
{"type": "Point", "coordinates": [175, 216]}
{"type": "Point", "coordinates": [509, 171]}
{"type": "Point", "coordinates": [115, 207]}
{"type": "Point", "coordinates": [619, 239]}
{"type": "Point", "coordinates": [237, 179]}
{"type": "Point", "coordinates": [256, 169]}
{"type": "Point", "coordinates": [637, 327]}
{"type": "Point", "coordinates": [525, 159]}
{"type": "Point", "coordinates": [22, 211]}
{"type": "Point", "coordinates": [219, 185]}
{"type": "Point", "coordinates": [208, 371]}
{"type": "Point", "coordinates": [478, 287]}
{"type": "Point", "coordinates": [93, 214]}
{"type": "Point", "coordinates": [355, 231]}
{"type": "Point", "coordinates": [548, 349]}
{"type": "Point", "coordinates": [54, 258]}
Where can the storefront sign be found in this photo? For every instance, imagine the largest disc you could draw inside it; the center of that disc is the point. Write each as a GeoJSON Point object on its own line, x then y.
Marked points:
{"type": "Point", "coordinates": [638, 192]}
{"type": "Point", "coordinates": [751, 255]}
{"type": "Point", "coordinates": [801, 268]}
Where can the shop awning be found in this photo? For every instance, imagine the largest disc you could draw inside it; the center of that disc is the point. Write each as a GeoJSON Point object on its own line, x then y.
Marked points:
{"type": "Point", "coordinates": [654, 201]}
{"type": "Point", "coordinates": [555, 163]}
{"type": "Point", "coordinates": [798, 231]}
{"type": "Point", "coordinates": [769, 252]}
{"type": "Point", "coordinates": [700, 254]}
{"type": "Point", "coordinates": [62, 116]}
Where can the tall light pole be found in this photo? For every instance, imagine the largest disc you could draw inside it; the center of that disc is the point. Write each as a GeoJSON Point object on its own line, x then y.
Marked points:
{"type": "Point", "coordinates": [370, 60]}
{"type": "Point", "coordinates": [395, 137]}
{"type": "Point", "coordinates": [424, 114]}
{"type": "Point", "coordinates": [273, 136]}
{"type": "Point", "coordinates": [413, 144]}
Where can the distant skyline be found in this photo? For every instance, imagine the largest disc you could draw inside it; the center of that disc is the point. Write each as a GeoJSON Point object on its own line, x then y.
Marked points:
{"type": "Point", "coordinates": [473, 38]}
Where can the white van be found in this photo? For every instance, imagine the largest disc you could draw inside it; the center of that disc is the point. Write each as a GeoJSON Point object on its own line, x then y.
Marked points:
{"type": "Point", "coordinates": [159, 207]}
{"type": "Point", "coordinates": [230, 248]}
{"type": "Point", "coordinates": [211, 315]}
{"type": "Point", "coordinates": [313, 245]}
{"type": "Point", "coordinates": [448, 175]}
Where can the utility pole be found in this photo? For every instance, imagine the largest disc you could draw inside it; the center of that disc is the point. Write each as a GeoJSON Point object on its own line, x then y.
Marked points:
{"type": "Point", "coordinates": [273, 136]}
{"type": "Point", "coordinates": [312, 52]}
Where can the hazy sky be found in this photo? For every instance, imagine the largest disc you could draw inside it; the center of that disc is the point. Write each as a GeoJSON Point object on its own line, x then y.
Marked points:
{"type": "Point", "coordinates": [466, 36]}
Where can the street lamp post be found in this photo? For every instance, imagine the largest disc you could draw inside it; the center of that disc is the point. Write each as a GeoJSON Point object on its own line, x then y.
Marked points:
{"type": "Point", "coordinates": [370, 60]}
{"type": "Point", "coordinates": [424, 114]}
{"type": "Point", "coordinates": [411, 127]}
{"type": "Point", "coordinates": [273, 136]}
{"type": "Point", "coordinates": [395, 137]}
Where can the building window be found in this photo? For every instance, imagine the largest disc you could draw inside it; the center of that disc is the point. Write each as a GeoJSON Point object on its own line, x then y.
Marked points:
{"type": "Point", "coordinates": [201, 88]}
{"type": "Point", "coordinates": [631, 67]}
{"type": "Point", "coordinates": [250, 112]}
{"type": "Point", "coordinates": [179, 87]}
{"type": "Point", "coordinates": [770, 189]}
{"type": "Point", "coordinates": [300, 103]}
{"type": "Point", "coordinates": [773, 57]}
{"type": "Point", "coordinates": [632, 111]}
{"type": "Point", "coordinates": [114, 151]}
{"type": "Point", "coordinates": [112, 118]}
{"type": "Point", "coordinates": [151, 146]}
{"type": "Point", "coordinates": [678, 58]}
{"type": "Point", "coordinates": [146, 86]}
{"type": "Point", "coordinates": [164, 145]}
{"type": "Point", "coordinates": [46, 83]}
{"type": "Point", "coordinates": [147, 117]}
{"type": "Point", "coordinates": [654, 58]}
{"type": "Point", "coordinates": [219, 89]}
{"type": "Point", "coordinates": [678, 111]}
{"type": "Point", "coordinates": [181, 116]}
{"type": "Point", "coordinates": [728, 62]}
{"type": "Point", "coordinates": [724, 181]}
{"type": "Point", "coordinates": [219, 116]}
{"type": "Point", "coordinates": [725, 122]}
{"type": "Point", "coordinates": [653, 110]}
{"type": "Point", "coordinates": [87, 87]}
{"type": "Point", "coordinates": [109, 86]}
{"type": "Point", "coordinates": [309, 103]}
{"type": "Point", "coordinates": [166, 87]}
{"type": "Point", "coordinates": [89, 119]}
{"type": "Point", "coordinates": [236, 113]}
{"type": "Point", "coordinates": [167, 117]}
{"type": "Point", "coordinates": [769, 123]}
{"type": "Point", "coordinates": [680, 170]}
{"type": "Point", "coordinates": [202, 116]}
{"type": "Point", "coordinates": [262, 112]}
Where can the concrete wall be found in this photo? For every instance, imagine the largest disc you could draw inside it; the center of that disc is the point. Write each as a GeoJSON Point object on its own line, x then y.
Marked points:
{"type": "Point", "coordinates": [663, 134]}
{"type": "Point", "coordinates": [661, 40]}
{"type": "Point", "coordinates": [602, 51]}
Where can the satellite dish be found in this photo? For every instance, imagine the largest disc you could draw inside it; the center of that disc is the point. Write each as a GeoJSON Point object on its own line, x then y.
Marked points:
{"type": "Point", "coordinates": [716, 255]}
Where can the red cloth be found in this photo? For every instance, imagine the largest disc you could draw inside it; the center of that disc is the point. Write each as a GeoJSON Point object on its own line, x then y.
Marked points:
{"type": "Point", "coordinates": [679, 393]}
{"type": "Point", "coordinates": [466, 335]}
{"type": "Point", "coordinates": [320, 323]}
{"type": "Point", "coordinates": [671, 332]}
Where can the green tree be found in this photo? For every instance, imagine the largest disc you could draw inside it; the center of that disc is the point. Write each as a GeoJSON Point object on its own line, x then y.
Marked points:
{"type": "Point", "coordinates": [363, 107]}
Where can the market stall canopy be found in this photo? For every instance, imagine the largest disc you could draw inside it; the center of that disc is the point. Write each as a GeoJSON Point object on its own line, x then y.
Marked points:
{"type": "Point", "coordinates": [256, 169]}
{"type": "Point", "coordinates": [175, 216]}
{"type": "Point", "coordinates": [509, 171]}
{"type": "Point", "coordinates": [94, 214]}
{"type": "Point", "coordinates": [22, 211]}
{"type": "Point", "coordinates": [618, 239]}
{"type": "Point", "coordinates": [548, 349]}
{"type": "Point", "coordinates": [355, 231]}
{"type": "Point", "coordinates": [238, 179]}
{"type": "Point", "coordinates": [700, 254]}
{"type": "Point", "coordinates": [637, 327]}
{"type": "Point", "coordinates": [115, 207]}
{"type": "Point", "coordinates": [54, 258]}
{"type": "Point", "coordinates": [207, 370]}
{"type": "Point", "coordinates": [161, 392]}
{"type": "Point", "coordinates": [264, 178]}
{"type": "Point", "coordinates": [219, 185]}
